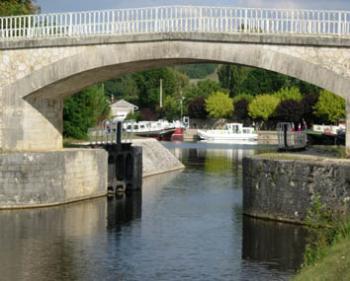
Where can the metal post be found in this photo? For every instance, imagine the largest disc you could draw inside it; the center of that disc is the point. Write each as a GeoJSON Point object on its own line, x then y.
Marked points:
{"type": "Point", "coordinates": [161, 94]}
{"type": "Point", "coordinates": [119, 133]}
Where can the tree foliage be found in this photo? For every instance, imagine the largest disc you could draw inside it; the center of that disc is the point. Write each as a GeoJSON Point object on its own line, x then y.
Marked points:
{"type": "Point", "coordinates": [241, 109]}
{"type": "Point", "coordinates": [17, 7]}
{"type": "Point", "coordinates": [263, 107]}
{"type": "Point", "coordinates": [309, 101]}
{"type": "Point", "coordinates": [254, 81]}
{"type": "Point", "coordinates": [292, 93]}
{"type": "Point", "coordinates": [219, 105]}
{"type": "Point", "coordinates": [172, 110]}
{"type": "Point", "coordinates": [330, 107]}
{"type": "Point", "coordinates": [196, 108]}
{"type": "Point", "coordinates": [202, 89]}
{"type": "Point", "coordinates": [290, 110]}
{"type": "Point", "coordinates": [84, 110]}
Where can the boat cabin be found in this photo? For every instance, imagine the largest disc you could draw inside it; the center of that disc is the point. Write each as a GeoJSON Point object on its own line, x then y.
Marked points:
{"type": "Point", "coordinates": [237, 128]}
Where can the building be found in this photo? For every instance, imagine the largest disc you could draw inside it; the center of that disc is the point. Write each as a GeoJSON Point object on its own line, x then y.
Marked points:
{"type": "Point", "coordinates": [121, 109]}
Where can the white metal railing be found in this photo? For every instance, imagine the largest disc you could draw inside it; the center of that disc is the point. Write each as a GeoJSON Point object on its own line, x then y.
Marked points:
{"type": "Point", "coordinates": [176, 19]}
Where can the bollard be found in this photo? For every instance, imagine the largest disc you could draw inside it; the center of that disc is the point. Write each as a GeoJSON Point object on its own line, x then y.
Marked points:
{"type": "Point", "coordinates": [119, 133]}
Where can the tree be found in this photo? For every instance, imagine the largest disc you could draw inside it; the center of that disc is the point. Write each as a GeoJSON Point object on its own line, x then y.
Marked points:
{"type": "Point", "coordinates": [196, 108]}
{"type": "Point", "coordinates": [241, 109]}
{"type": "Point", "coordinates": [203, 88]}
{"type": "Point", "coordinates": [290, 111]}
{"type": "Point", "coordinates": [309, 101]}
{"type": "Point", "coordinates": [84, 110]}
{"type": "Point", "coordinates": [330, 108]}
{"type": "Point", "coordinates": [17, 7]}
{"type": "Point", "coordinates": [232, 77]}
{"type": "Point", "coordinates": [171, 108]}
{"type": "Point", "coordinates": [123, 88]}
{"type": "Point", "coordinates": [241, 104]}
{"type": "Point", "coordinates": [219, 105]}
{"type": "Point", "coordinates": [292, 93]}
{"type": "Point", "coordinates": [263, 107]}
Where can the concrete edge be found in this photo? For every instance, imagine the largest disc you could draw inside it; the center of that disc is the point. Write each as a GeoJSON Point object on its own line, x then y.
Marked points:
{"type": "Point", "coordinates": [37, 206]}
{"type": "Point", "coordinates": [163, 172]}
{"type": "Point", "coordinates": [317, 160]}
{"type": "Point", "coordinates": [274, 218]}
{"type": "Point", "coordinates": [276, 39]}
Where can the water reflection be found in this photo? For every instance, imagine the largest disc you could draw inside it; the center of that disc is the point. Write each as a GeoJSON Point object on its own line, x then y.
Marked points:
{"type": "Point", "coordinates": [279, 246]}
{"type": "Point", "coordinates": [123, 209]}
{"type": "Point", "coordinates": [41, 243]}
{"type": "Point", "coordinates": [184, 226]}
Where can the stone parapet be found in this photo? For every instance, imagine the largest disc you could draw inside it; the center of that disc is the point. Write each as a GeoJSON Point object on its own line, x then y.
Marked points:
{"type": "Point", "coordinates": [51, 178]}
{"type": "Point", "coordinates": [283, 187]}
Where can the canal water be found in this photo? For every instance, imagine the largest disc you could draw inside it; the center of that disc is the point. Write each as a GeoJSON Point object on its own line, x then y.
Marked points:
{"type": "Point", "coordinates": [185, 226]}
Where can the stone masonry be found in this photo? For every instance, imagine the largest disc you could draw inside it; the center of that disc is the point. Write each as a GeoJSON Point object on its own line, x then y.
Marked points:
{"type": "Point", "coordinates": [284, 187]}
{"type": "Point", "coordinates": [36, 75]}
{"type": "Point", "coordinates": [50, 178]}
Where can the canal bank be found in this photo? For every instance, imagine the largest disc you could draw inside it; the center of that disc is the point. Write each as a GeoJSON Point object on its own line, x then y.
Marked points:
{"type": "Point", "coordinates": [40, 179]}
{"type": "Point", "coordinates": [286, 187]}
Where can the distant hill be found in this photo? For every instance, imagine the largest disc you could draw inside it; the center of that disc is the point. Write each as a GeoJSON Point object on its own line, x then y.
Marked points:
{"type": "Point", "coordinates": [198, 71]}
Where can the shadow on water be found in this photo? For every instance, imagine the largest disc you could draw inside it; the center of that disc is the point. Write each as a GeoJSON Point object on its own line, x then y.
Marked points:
{"type": "Point", "coordinates": [279, 246]}
{"type": "Point", "coordinates": [123, 209]}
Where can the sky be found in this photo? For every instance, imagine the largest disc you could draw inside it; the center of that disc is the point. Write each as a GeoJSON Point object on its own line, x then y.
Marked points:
{"type": "Point", "coordinates": [51, 6]}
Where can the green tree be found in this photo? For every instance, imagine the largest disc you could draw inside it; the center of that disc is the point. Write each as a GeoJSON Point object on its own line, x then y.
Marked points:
{"type": "Point", "coordinates": [263, 107]}
{"type": "Point", "coordinates": [232, 77]}
{"type": "Point", "coordinates": [202, 89]}
{"type": "Point", "coordinates": [219, 105]}
{"type": "Point", "coordinates": [292, 93]}
{"type": "Point", "coordinates": [17, 7]}
{"type": "Point", "coordinates": [330, 107]}
{"type": "Point", "coordinates": [84, 110]}
{"type": "Point", "coordinates": [123, 88]}
{"type": "Point", "coordinates": [171, 108]}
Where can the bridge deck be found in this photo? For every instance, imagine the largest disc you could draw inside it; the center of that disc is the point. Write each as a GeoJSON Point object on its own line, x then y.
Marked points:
{"type": "Point", "coordinates": [174, 19]}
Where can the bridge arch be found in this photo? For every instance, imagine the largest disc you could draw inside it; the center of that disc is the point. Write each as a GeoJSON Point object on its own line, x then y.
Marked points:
{"type": "Point", "coordinates": [38, 97]}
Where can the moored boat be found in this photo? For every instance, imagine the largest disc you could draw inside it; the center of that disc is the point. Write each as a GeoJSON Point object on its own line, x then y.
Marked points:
{"type": "Point", "coordinates": [231, 133]}
{"type": "Point", "coordinates": [160, 129]}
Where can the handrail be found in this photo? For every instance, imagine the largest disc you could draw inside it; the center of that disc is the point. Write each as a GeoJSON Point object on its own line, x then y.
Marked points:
{"type": "Point", "coordinates": [184, 19]}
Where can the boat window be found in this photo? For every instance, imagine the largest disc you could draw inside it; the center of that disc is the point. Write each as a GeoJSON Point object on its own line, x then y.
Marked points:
{"type": "Point", "coordinates": [136, 127]}
{"type": "Point", "coordinates": [128, 127]}
{"type": "Point", "coordinates": [142, 126]}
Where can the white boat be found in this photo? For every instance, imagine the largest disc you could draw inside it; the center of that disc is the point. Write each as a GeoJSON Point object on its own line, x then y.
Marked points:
{"type": "Point", "coordinates": [233, 132]}
{"type": "Point", "coordinates": [160, 129]}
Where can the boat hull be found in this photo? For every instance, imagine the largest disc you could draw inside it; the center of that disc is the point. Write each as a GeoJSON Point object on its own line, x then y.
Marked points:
{"type": "Point", "coordinates": [226, 137]}
{"type": "Point", "coordinates": [164, 134]}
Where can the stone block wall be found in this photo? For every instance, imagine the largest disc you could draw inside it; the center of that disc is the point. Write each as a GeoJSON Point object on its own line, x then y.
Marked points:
{"type": "Point", "coordinates": [44, 179]}
{"type": "Point", "coordinates": [283, 189]}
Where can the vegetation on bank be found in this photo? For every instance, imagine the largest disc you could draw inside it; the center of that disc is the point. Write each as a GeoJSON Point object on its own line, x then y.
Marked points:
{"type": "Point", "coordinates": [335, 265]}
{"type": "Point", "coordinates": [327, 257]}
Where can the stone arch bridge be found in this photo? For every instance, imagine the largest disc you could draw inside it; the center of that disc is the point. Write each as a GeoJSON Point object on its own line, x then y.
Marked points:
{"type": "Point", "coordinates": [46, 58]}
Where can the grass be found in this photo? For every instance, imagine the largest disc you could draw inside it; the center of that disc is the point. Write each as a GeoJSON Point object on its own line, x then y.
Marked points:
{"type": "Point", "coordinates": [329, 257]}
{"type": "Point", "coordinates": [333, 265]}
